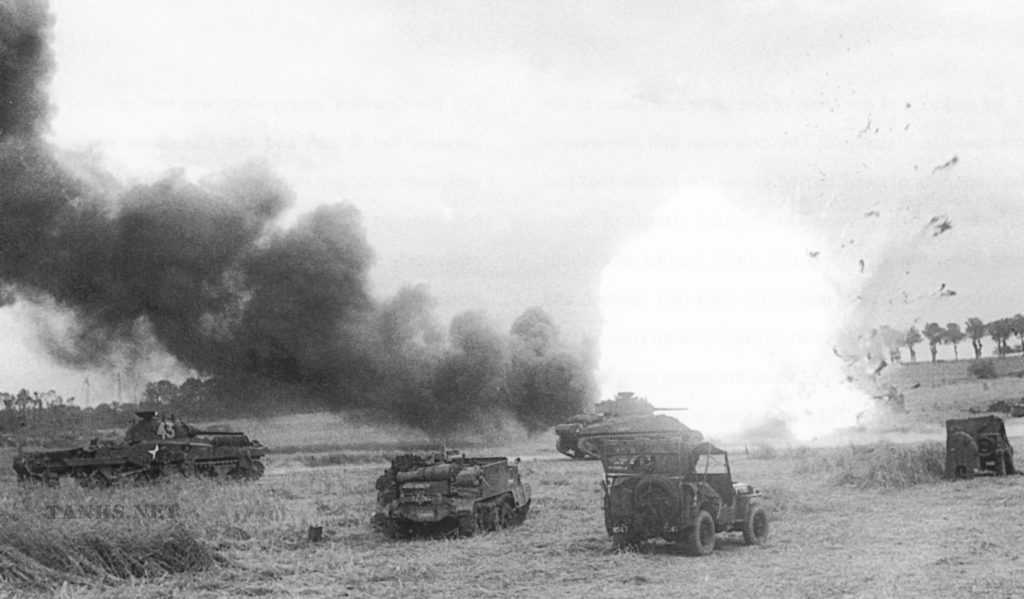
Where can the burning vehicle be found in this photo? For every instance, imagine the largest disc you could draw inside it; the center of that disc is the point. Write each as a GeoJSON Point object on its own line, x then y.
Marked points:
{"type": "Point", "coordinates": [446, 492]}
{"type": "Point", "coordinates": [668, 485]}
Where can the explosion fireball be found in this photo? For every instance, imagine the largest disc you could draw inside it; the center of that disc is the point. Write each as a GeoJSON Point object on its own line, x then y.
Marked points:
{"type": "Point", "coordinates": [721, 311]}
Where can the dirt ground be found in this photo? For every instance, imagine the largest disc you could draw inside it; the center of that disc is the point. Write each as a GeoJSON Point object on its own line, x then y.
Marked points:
{"type": "Point", "coordinates": [948, 539]}
{"type": "Point", "coordinates": [940, 539]}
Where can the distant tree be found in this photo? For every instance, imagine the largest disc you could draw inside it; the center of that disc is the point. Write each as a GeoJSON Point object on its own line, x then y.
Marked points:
{"type": "Point", "coordinates": [1000, 330]}
{"type": "Point", "coordinates": [983, 369]}
{"type": "Point", "coordinates": [934, 333]}
{"type": "Point", "coordinates": [975, 329]}
{"type": "Point", "coordinates": [162, 392]}
{"type": "Point", "coordinates": [51, 398]}
{"type": "Point", "coordinates": [912, 338]}
{"type": "Point", "coordinates": [191, 392]}
{"type": "Point", "coordinates": [954, 336]}
{"type": "Point", "coordinates": [1017, 328]}
{"type": "Point", "coordinates": [890, 339]}
{"type": "Point", "coordinates": [23, 400]}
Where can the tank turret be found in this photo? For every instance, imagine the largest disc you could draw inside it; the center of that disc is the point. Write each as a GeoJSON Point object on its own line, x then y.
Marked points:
{"type": "Point", "coordinates": [627, 403]}
{"type": "Point", "coordinates": [150, 427]}
{"type": "Point", "coordinates": [624, 413]}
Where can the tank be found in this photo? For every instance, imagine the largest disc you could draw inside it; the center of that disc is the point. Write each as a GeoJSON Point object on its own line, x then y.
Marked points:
{"type": "Point", "coordinates": [447, 493]}
{"type": "Point", "coordinates": [625, 413]}
{"type": "Point", "coordinates": [152, 448]}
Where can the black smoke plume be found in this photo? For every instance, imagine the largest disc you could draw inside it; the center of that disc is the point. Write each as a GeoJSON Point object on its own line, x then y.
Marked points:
{"type": "Point", "coordinates": [25, 66]}
{"type": "Point", "coordinates": [203, 271]}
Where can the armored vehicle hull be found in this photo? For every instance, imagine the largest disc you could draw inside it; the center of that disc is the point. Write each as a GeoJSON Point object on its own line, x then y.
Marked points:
{"type": "Point", "coordinates": [151, 449]}
{"type": "Point", "coordinates": [449, 493]}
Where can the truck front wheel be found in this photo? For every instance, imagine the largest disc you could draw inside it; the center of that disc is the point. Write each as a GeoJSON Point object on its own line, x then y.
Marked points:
{"type": "Point", "coordinates": [755, 526]}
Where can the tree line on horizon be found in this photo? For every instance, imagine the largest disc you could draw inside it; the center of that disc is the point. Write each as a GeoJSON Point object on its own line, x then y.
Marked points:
{"type": "Point", "coordinates": [1001, 331]}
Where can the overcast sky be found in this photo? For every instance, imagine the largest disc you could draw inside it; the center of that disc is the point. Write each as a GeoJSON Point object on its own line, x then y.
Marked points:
{"type": "Point", "coordinates": [505, 153]}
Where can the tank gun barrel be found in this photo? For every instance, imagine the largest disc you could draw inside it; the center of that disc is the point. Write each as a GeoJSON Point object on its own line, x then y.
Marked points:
{"type": "Point", "coordinates": [669, 409]}
{"type": "Point", "coordinates": [217, 433]}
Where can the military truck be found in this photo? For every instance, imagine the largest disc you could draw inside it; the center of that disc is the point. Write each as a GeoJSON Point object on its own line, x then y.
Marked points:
{"type": "Point", "coordinates": [626, 412]}
{"type": "Point", "coordinates": [977, 446]}
{"type": "Point", "coordinates": [448, 493]}
{"type": "Point", "coordinates": [152, 447]}
{"type": "Point", "coordinates": [668, 486]}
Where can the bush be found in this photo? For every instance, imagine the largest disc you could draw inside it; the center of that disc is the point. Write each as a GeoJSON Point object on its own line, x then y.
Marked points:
{"type": "Point", "coordinates": [889, 466]}
{"type": "Point", "coordinates": [982, 369]}
{"type": "Point", "coordinates": [763, 452]}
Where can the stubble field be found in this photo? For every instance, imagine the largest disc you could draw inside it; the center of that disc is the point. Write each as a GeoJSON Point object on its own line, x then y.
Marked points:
{"type": "Point", "coordinates": [836, 531]}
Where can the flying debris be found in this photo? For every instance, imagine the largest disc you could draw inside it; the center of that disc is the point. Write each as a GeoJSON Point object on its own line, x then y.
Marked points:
{"type": "Point", "coordinates": [870, 213]}
{"type": "Point", "coordinates": [942, 292]}
{"type": "Point", "coordinates": [849, 360]}
{"type": "Point", "coordinates": [813, 254]}
{"type": "Point", "coordinates": [947, 164]}
{"type": "Point", "coordinates": [841, 356]}
{"type": "Point", "coordinates": [866, 129]}
{"type": "Point", "coordinates": [941, 224]}
{"type": "Point", "coordinates": [862, 265]}
{"type": "Point", "coordinates": [880, 368]}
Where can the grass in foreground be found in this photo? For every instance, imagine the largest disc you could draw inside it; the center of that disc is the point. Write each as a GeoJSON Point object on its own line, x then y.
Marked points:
{"type": "Point", "coordinates": [832, 535]}
{"type": "Point", "coordinates": [34, 553]}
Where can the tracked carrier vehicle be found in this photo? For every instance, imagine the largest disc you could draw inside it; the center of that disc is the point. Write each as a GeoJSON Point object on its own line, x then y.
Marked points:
{"type": "Point", "coordinates": [152, 448]}
{"type": "Point", "coordinates": [448, 493]}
